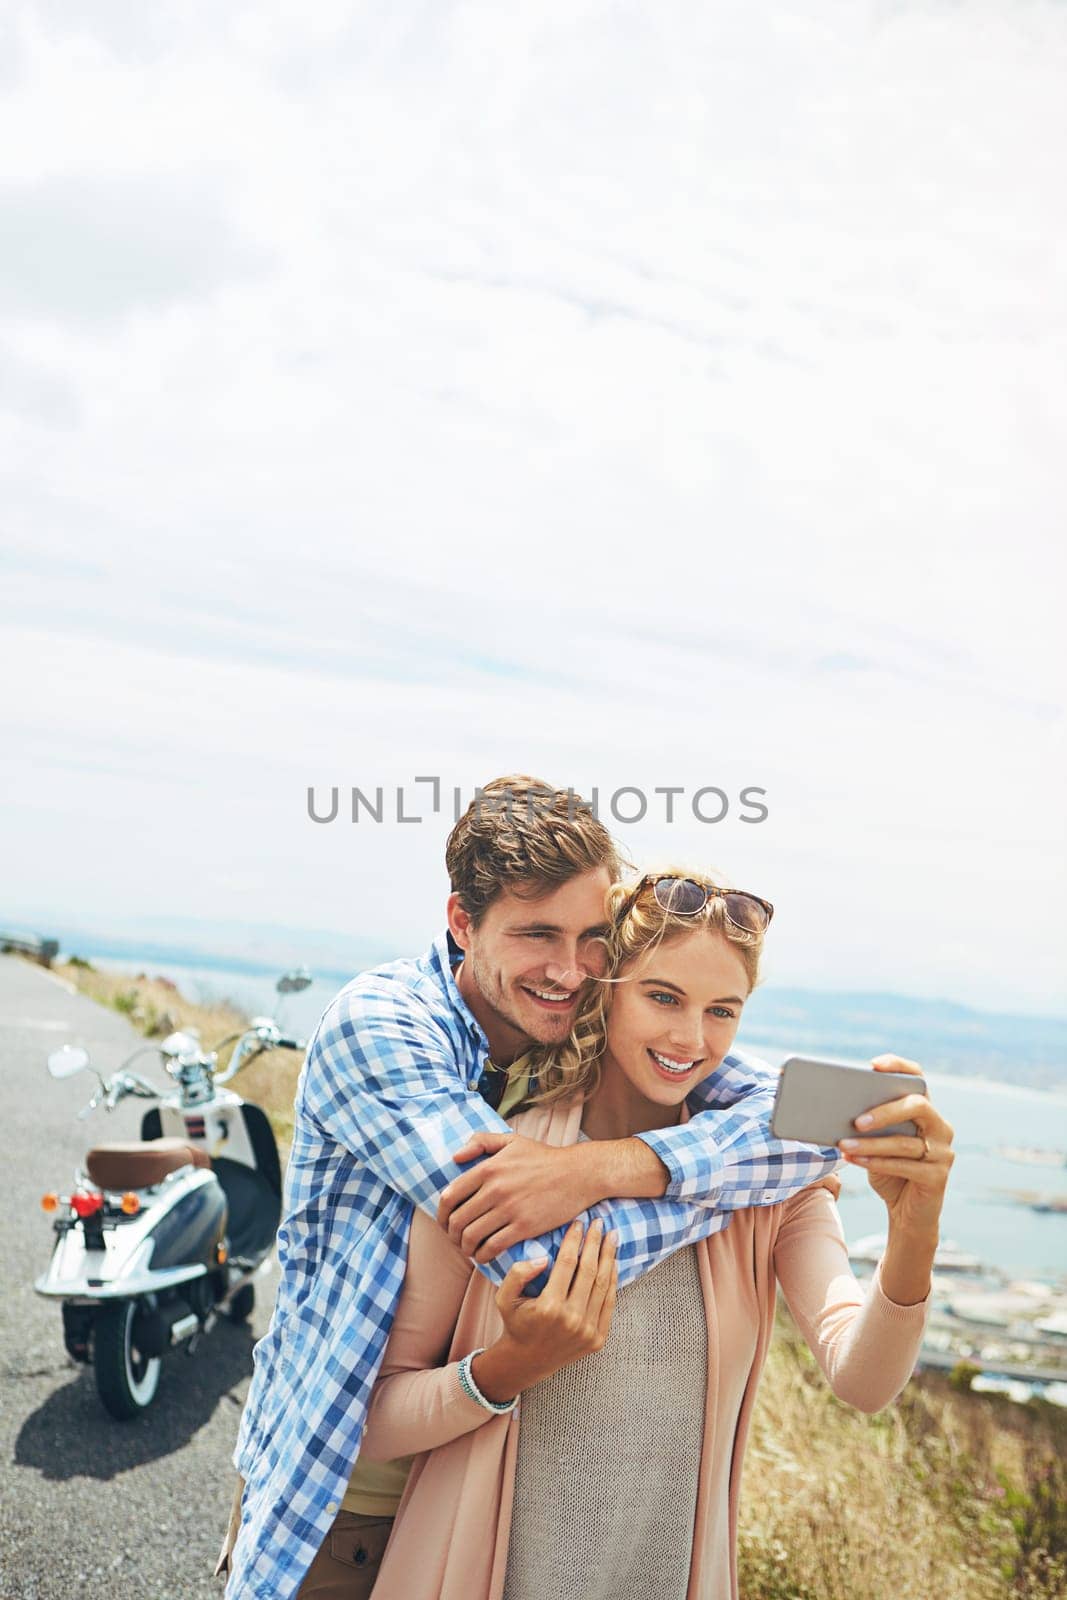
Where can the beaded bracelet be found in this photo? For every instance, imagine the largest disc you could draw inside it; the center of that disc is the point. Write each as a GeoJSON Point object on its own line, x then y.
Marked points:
{"type": "Point", "coordinates": [472, 1391]}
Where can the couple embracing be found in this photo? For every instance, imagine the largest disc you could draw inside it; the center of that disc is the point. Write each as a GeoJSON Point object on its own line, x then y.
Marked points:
{"type": "Point", "coordinates": [534, 1222]}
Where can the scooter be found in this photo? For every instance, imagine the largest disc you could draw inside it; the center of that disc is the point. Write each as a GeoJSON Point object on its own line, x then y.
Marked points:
{"type": "Point", "coordinates": [158, 1238]}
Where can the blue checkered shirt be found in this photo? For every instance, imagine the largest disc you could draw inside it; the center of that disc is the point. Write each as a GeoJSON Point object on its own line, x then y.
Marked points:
{"type": "Point", "coordinates": [388, 1091]}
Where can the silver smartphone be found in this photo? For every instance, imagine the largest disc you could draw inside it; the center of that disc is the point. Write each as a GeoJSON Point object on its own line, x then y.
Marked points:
{"type": "Point", "coordinates": [818, 1099]}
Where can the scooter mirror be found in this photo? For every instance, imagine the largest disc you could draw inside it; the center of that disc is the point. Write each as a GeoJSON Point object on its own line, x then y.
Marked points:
{"type": "Point", "coordinates": [294, 982]}
{"type": "Point", "coordinates": [180, 1044]}
{"type": "Point", "coordinates": [68, 1060]}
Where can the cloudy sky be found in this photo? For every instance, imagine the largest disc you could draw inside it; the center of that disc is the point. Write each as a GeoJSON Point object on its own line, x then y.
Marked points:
{"type": "Point", "coordinates": [630, 395]}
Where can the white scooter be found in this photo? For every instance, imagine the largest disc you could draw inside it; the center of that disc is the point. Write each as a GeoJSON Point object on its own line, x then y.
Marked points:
{"type": "Point", "coordinates": [157, 1238]}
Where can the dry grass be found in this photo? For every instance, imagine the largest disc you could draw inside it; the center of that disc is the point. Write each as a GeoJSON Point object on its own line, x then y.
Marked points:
{"type": "Point", "coordinates": [944, 1493]}
{"type": "Point", "coordinates": [947, 1493]}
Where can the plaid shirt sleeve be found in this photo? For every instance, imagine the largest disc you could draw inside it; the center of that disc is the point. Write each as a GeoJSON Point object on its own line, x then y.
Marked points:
{"type": "Point", "coordinates": [725, 1155]}
{"type": "Point", "coordinates": [385, 1085]}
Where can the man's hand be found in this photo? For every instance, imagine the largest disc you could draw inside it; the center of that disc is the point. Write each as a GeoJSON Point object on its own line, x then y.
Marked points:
{"type": "Point", "coordinates": [222, 1565]}
{"type": "Point", "coordinates": [523, 1190]}
{"type": "Point", "coordinates": [526, 1188]}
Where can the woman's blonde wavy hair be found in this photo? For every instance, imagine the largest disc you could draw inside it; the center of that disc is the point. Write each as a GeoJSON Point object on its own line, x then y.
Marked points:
{"type": "Point", "coordinates": [573, 1067]}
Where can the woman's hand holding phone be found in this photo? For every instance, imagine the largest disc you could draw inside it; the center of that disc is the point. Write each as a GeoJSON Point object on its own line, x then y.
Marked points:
{"type": "Point", "coordinates": [908, 1171]}
{"type": "Point", "coordinates": [570, 1318]}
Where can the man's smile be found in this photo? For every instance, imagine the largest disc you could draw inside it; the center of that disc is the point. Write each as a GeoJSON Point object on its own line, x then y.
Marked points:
{"type": "Point", "coordinates": [550, 999]}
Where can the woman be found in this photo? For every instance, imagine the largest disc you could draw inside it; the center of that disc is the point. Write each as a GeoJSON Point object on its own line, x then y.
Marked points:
{"type": "Point", "coordinates": [619, 1474]}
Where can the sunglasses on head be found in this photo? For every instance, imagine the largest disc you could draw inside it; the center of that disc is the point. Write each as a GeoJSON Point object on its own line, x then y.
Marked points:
{"type": "Point", "coordinates": [684, 897]}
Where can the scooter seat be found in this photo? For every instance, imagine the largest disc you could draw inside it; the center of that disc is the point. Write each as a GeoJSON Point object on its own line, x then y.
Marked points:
{"type": "Point", "coordinates": [139, 1166]}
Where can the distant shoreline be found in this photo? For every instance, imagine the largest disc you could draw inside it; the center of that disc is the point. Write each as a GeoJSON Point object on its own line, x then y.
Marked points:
{"type": "Point", "coordinates": [801, 1020]}
{"type": "Point", "coordinates": [997, 1086]}
{"type": "Point", "coordinates": [967, 1080]}
{"type": "Point", "coordinates": [177, 956]}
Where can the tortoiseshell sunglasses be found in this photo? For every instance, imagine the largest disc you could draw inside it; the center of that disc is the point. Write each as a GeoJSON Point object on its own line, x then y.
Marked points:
{"type": "Point", "coordinates": [683, 897]}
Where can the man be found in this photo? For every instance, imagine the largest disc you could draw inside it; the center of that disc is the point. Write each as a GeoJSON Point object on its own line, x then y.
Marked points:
{"type": "Point", "coordinates": [398, 1090]}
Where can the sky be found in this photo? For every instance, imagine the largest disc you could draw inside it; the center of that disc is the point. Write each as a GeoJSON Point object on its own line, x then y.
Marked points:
{"type": "Point", "coordinates": [632, 396]}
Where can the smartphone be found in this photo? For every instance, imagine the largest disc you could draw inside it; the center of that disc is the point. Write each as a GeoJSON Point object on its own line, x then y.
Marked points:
{"type": "Point", "coordinates": [817, 1099]}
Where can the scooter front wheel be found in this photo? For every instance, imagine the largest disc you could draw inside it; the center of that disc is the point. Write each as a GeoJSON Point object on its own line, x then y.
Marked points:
{"type": "Point", "coordinates": [126, 1380]}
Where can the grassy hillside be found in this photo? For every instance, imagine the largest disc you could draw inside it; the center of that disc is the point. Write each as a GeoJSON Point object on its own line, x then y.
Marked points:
{"type": "Point", "coordinates": [945, 1493]}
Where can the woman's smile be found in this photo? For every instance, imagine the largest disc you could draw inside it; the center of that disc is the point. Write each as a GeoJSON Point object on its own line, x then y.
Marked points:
{"type": "Point", "coordinates": [672, 1067]}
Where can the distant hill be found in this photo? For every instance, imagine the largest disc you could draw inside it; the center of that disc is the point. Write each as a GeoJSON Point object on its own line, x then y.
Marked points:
{"type": "Point", "coordinates": [943, 1036]}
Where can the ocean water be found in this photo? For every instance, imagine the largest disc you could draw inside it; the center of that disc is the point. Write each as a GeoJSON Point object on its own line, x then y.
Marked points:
{"type": "Point", "coordinates": [978, 1215]}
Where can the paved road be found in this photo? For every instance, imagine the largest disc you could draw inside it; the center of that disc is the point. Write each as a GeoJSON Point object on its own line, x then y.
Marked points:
{"type": "Point", "coordinates": [89, 1506]}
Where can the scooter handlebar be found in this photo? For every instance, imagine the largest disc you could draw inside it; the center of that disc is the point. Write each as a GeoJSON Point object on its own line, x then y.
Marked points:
{"type": "Point", "coordinates": [127, 1083]}
{"type": "Point", "coordinates": [263, 1036]}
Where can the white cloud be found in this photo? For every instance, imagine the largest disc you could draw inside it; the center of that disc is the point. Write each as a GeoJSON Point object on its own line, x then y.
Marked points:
{"type": "Point", "coordinates": [651, 397]}
{"type": "Point", "coordinates": [98, 248]}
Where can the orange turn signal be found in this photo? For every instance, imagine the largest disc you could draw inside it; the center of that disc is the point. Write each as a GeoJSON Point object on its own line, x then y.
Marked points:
{"type": "Point", "coordinates": [130, 1204]}
{"type": "Point", "coordinates": [220, 1253]}
{"type": "Point", "coordinates": [49, 1202]}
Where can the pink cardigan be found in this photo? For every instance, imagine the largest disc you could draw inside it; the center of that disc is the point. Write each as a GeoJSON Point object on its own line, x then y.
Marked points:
{"type": "Point", "coordinates": [450, 1537]}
